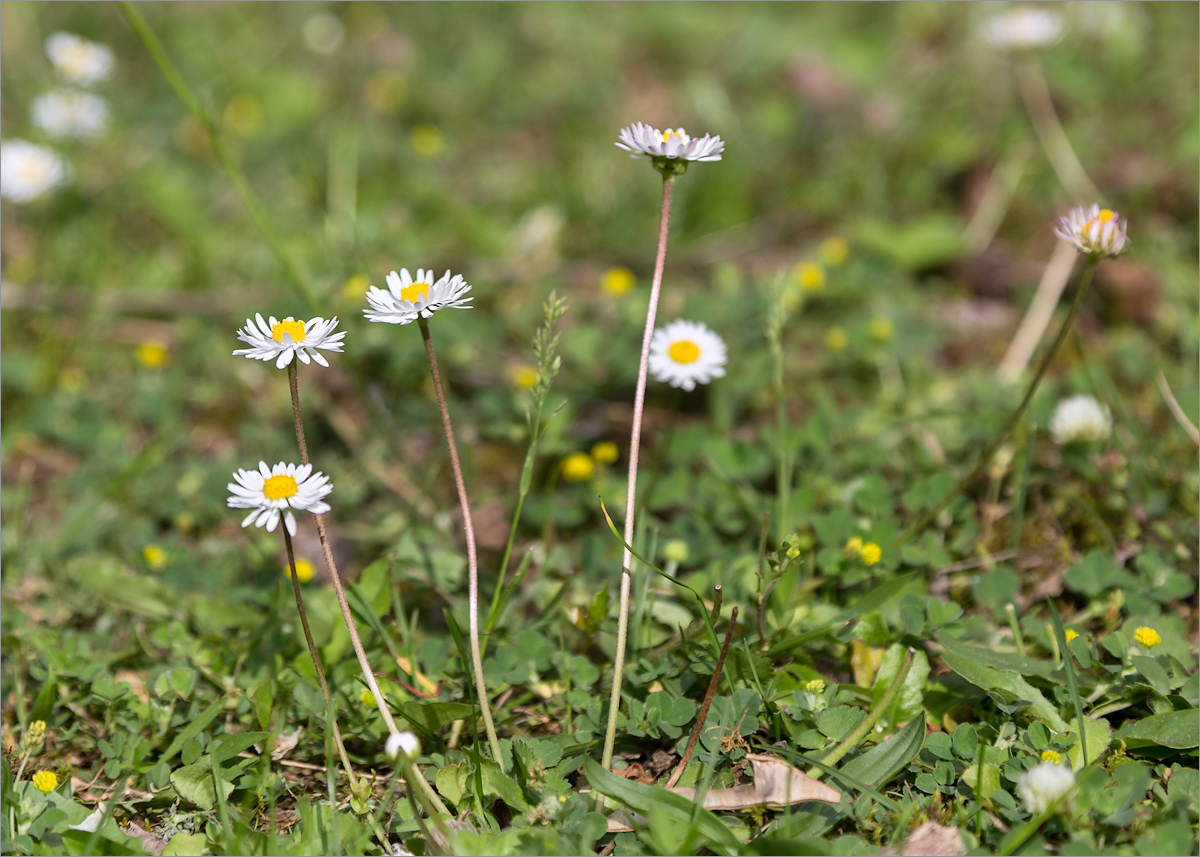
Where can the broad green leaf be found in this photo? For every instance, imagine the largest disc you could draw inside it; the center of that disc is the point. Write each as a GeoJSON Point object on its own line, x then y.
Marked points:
{"type": "Point", "coordinates": [434, 715]}
{"type": "Point", "coordinates": [451, 781]}
{"type": "Point", "coordinates": [1179, 730]}
{"type": "Point", "coordinates": [640, 798]}
{"type": "Point", "coordinates": [1154, 673]}
{"type": "Point", "coordinates": [228, 746]}
{"type": "Point", "coordinates": [195, 784]}
{"type": "Point", "coordinates": [910, 704]}
{"type": "Point", "coordinates": [839, 721]}
{"type": "Point", "coordinates": [1008, 685]}
{"type": "Point", "coordinates": [183, 844]}
{"type": "Point", "coordinates": [193, 729]}
{"type": "Point", "coordinates": [1099, 736]}
{"type": "Point", "coordinates": [879, 765]}
{"type": "Point", "coordinates": [988, 784]}
{"type": "Point", "coordinates": [1006, 661]}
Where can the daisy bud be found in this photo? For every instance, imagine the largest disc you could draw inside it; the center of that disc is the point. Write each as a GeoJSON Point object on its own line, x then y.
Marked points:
{"type": "Point", "coordinates": [402, 745]}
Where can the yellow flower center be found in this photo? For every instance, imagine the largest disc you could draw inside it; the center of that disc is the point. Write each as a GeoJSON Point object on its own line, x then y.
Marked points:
{"type": "Point", "coordinates": [1052, 756]}
{"type": "Point", "coordinates": [668, 134]}
{"type": "Point", "coordinates": [280, 487]}
{"type": "Point", "coordinates": [684, 351]}
{"type": "Point", "coordinates": [1105, 215]}
{"type": "Point", "coordinates": [416, 290]}
{"type": "Point", "coordinates": [295, 328]}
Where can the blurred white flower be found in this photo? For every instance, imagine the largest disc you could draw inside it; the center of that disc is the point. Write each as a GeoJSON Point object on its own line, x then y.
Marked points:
{"type": "Point", "coordinates": [408, 297]}
{"type": "Point", "coordinates": [645, 141]}
{"type": "Point", "coordinates": [1080, 419]}
{"type": "Point", "coordinates": [1023, 27]}
{"type": "Point", "coordinates": [1094, 230]}
{"type": "Point", "coordinates": [684, 353]}
{"type": "Point", "coordinates": [1043, 784]}
{"type": "Point", "coordinates": [324, 32]}
{"type": "Point", "coordinates": [270, 492]}
{"type": "Point", "coordinates": [282, 340]}
{"type": "Point", "coordinates": [79, 60]}
{"type": "Point", "coordinates": [70, 113]}
{"type": "Point", "coordinates": [405, 743]}
{"type": "Point", "coordinates": [28, 171]}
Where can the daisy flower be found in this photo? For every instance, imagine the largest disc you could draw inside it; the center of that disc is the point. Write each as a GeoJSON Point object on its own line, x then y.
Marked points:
{"type": "Point", "coordinates": [268, 492]}
{"type": "Point", "coordinates": [670, 149]}
{"type": "Point", "coordinates": [408, 297]}
{"type": "Point", "coordinates": [281, 340]}
{"type": "Point", "coordinates": [1080, 419]}
{"type": "Point", "coordinates": [1043, 784]}
{"type": "Point", "coordinates": [79, 60]}
{"type": "Point", "coordinates": [28, 171]}
{"type": "Point", "coordinates": [1024, 27]}
{"type": "Point", "coordinates": [1094, 230]}
{"type": "Point", "coordinates": [686, 352]}
{"type": "Point", "coordinates": [402, 744]}
{"type": "Point", "coordinates": [70, 113]}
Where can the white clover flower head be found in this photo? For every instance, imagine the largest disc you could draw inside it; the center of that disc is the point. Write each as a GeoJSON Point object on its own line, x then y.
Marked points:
{"type": "Point", "coordinates": [408, 298]}
{"type": "Point", "coordinates": [270, 492]}
{"type": "Point", "coordinates": [402, 745]}
{"type": "Point", "coordinates": [78, 60]}
{"type": "Point", "coordinates": [1023, 28]}
{"type": "Point", "coordinates": [684, 353]}
{"type": "Point", "coordinates": [282, 340]}
{"type": "Point", "coordinates": [1094, 230]}
{"type": "Point", "coordinates": [1043, 784]}
{"type": "Point", "coordinates": [670, 151]}
{"type": "Point", "coordinates": [28, 171]}
{"type": "Point", "coordinates": [70, 114]}
{"type": "Point", "coordinates": [1080, 419]}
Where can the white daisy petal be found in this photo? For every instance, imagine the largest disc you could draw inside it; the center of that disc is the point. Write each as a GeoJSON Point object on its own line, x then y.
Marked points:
{"type": "Point", "coordinates": [684, 353]}
{"type": "Point", "coordinates": [1080, 419]}
{"type": "Point", "coordinates": [272, 492]}
{"type": "Point", "coordinates": [70, 114]}
{"type": "Point", "coordinates": [1094, 230]}
{"type": "Point", "coordinates": [406, 298]}
{"type": "Point", "coordinates": [28, 172]}
{"type": "Point", "coordinates": [282, 340]}
{"type": "Point", "coordinates": [674, 144]}
{"type": "Point", "coordinates": [78, 60]}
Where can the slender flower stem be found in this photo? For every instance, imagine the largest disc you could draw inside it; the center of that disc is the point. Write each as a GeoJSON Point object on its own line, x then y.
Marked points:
{"type": "Point", "coordinates": [635, 441]}
{"type": "Point", "coordinates": [347, 615]}
{"type": "Point", "coordinates": [472, 559]}
{"type": "Point", "coordinates": [986, 457]}
{"type": "Point", "coordinates": [316, 659]}
{"type": "Point", "coordinates": [253, 205]}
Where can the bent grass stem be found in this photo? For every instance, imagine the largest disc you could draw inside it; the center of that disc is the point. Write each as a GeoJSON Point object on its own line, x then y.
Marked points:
{"type": "Point", "coordinates": [635, 440]}
{"type": "Point", "coordinates": [472, 558]}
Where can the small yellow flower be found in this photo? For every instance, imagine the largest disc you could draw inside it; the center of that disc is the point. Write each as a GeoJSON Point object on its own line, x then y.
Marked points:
{"type": "Point", "coordinates": [676, 551]}
{"type": "Point", "coordinates": [45, 781]}
{"type": "Point", "coordinates": [853, 548]}
{"type": "Point", "coordinates": [617, 281]}
{"type": "Point", "coordinates": [836, 339]}
{"type": "Point", "coordinates": [155, 557]}
{"type": "Point", "coordinates": [605, 452]}
{"type": "Point", "coordinates": [243, 114]}
{"type": "Point", "coordinates": [1070, 634]}
{"type": "Point", "coordinates": [1052, 756]}
{"type": "Point", "coordinates": [366, 697]}
{"type": "Point", "coordinates": [881, 329]}
{"type": "Point", "coordinates": [153, 355]}
{"type": "Point", "coordinates": [427, 140]}
{"type": "Point", "coordinates": [37, 731]}
{"type": "Point", "coordinates": [811, 277]}
{"type": "Point", "coordinates": [72, 379]}
{"type": "Point", "coordinates": [524, 377]}
{"type": "Point", "coordinates": [871, 553]}
{"type": "Point", "coordinates": [384, 91]}
{"type": "Point", "coordinates": [304, 570]}
{"type": "Point", "coordinates": [184, 521]}
{"type": "Point", "coordinates": [578, 467]}
{"type": "Point", "coordinates": [816, 685]}
{"type": "Point", "coordinates": [834, 251]}
{"type": "Point", "coordinates": [354, 287]}
{"type": "Point", "coordinates": [1148, 637]}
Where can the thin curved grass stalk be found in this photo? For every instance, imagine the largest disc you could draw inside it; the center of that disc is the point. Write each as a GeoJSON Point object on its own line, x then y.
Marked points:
{"type": "Point", "coordinates": [316, 659]}
{"type": "Point", "coordinates": [485, 707]}
{"type": "Point", "coordinates": [635, 440]}
{"type": "Point", "coordinates": [852, 740]}
{"type": "Point", "coordinates": [340, 592]}
{"type": "Point", "coordinates": [1015, 418]}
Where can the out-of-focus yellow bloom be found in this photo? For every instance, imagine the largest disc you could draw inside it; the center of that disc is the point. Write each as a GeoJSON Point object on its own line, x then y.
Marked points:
{"type": "Point", "coordinates": [871, 553]}
{"type": "Point", "coordinates": [384, 91]}
{"type": "Point", "coordinates": [811, 277]}
{"type": "Point", "coordinates": [881, 329]}
{"type": "Point", "coordinates": [834, 251]}
{"type": "Point", "coordinates": [853, 548]}
{"type": "Point", "coordinates": [304, 570]}
{"type": "Point", "coordinates": [366, 697]}
{"type": "Point", "coordinates": [427, 140]}
{"type": "Point", "coordinates": [605, 452]}
{"type": "Point", "coordinates": [1070, 634]}
{"type": "Point", "coordinates": [578, 467]}
{"type": "Point", "coordinates": [354, 287]}
{"type": "Point", "coordinates": [45, 781]}
{"type": "Point", "coordinates": [243, 114]}
{"type": "Point", "coordinates": [72, 379]}
{"type": "Point", "coordinates": [676, 551]}
{"type": "Point", "coordinates": [816, 685]}
{"type": "Point", "coordinates": [1148, 637]}
{"type": "Point", "coordinates": [153, 355]}
{"type": "Point", "coordinates": [155, 557]}
{"type": "Point", "coordinates": [617, 281]}
{"type": "Point", "coordinates": [524, 377]}
{"type": "Point", "coordinates": [836, 339]}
